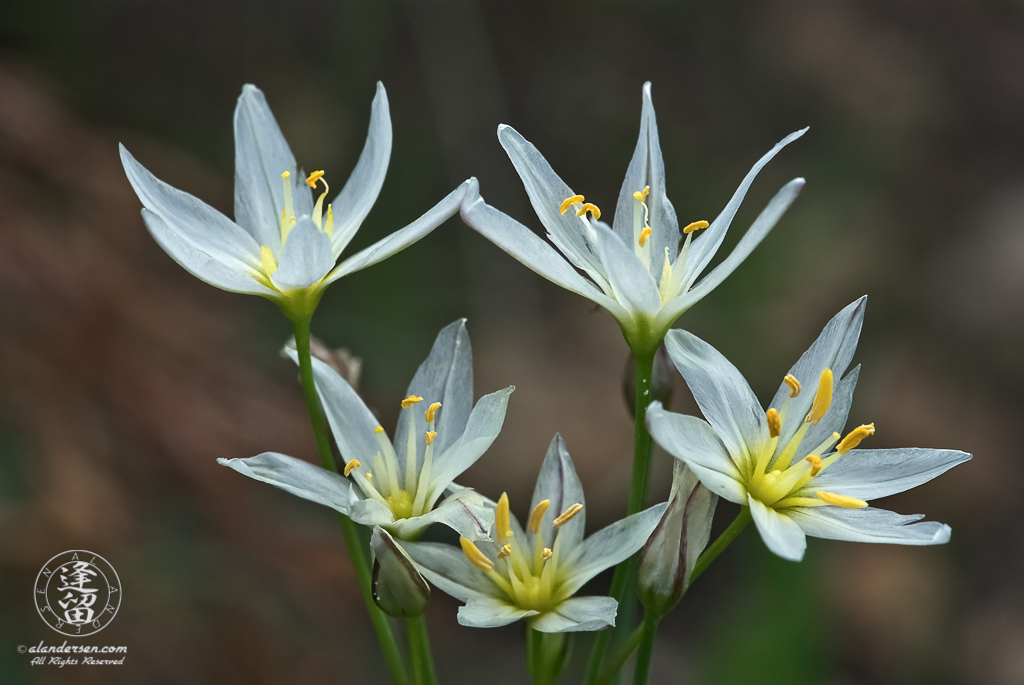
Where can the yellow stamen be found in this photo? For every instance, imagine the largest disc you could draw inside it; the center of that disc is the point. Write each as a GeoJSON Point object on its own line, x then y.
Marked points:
{"type": "Point", "coordinates": [505, 551]}
{"type": "Point", "coordinates": [429, 437]}
{"type": "Point", "coordinates": [793, 383]}
{"type": "Point", "coordinates": [475, 556]}
{"type": "Point", "coordinates": [410, 400]}
{"type": "Point", "coordinates": [378, 430]}
{"type": "Point", "coordinates": [268, 260]}
{"type": "Point", "coordinates": [588, 207]}
{"type": "Point", "coordinates": [431, 410]}
{"type": "Point", "coordinates": [314, 177]}
{"type": "Point", "coordinates": [546, 554]}
{"type": "Point", "coordinates": [502, 520]}
{"type": "Point", "coordinates": [329, 223]}
{"type": "Point", "coordinates": [288, 213]}
{"type": "Point", "coordinates": [569, 202]}
{"type": "Point", "coordinates": [369, 476]}
{"type": "Point", "coordinates": [822, 398]}
{"type": "Point", "coordinates": [642, 194]}
{"type": "Point", "coordinates": [854, 437]}
{"type": "Point", "coordinates": [354, 464]}
{"type": "Point", "coordinates": [840, 500]}
{"type": "Point", "coordinates": [644, 235]}
{"type": "Point", "coordinates": [695, 226]}
{"type": "Point", "coordinates": [566, 516]}
{"type": "Point", "coordinates": [774, 423]}
{"type": "Point", "coordinates": [815, 464]}
{"type": "Point", "coordinates": [538, 514]}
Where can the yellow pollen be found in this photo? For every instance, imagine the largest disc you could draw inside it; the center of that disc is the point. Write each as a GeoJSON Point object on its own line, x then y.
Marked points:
{"type": "Point", "coordinates": [695, 226]}
{"type": "Point", "coordinates": [822, 398]}
{"type": "Point", "coordinates": [588, 207]}
{"type": "Point", "coordinates": [267, 260]}
{"type": "Point", "coordinates": [774, 424]}
{"type": "Point", "coordinates": [537, 515]}
{"type": "Point", "coordinates": [429, 437]}
{"type": "Point", "coordinates": [431, 410]}
{"type": "Point", "coordinates": [314, 177]}
{"type": "Point", "coordinates": [505, 551]}
{"type": "Point", "coordinates": [475, 556]}
{"type": "Point", "coordinates": [354, 464]}
{"type": "Point", "coordinates": [854, 437]}
{"type": "Point", "coordinates": [545, 553]}
{"type": "Point", "coordinates": [840, 500]}
{"type": "Point", "coordinates": [793, 383]}
{"type": "Point", "coordinates": [378, 430]}
{"type": "Point", "coordinates": [502, 520]}
{"type": "Point", "coordinates": [285, 174]}
{"type": "Point", "coordinates": [815, 464]}
{"type": "Point", "coordinates": [569, 202]}
{"type": "Point", "coordinates": [410, 400]}
{"type": "Point", "coordinates": [644, 235]}
{"type": "Point", "coordinates": [566, 516]}
{"type": "Point", "coordinates": [642, 194]}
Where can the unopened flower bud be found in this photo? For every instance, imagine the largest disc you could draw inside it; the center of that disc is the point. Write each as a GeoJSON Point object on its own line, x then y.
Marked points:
{"type": "Point", "coordinates": [661, 381]}
{"type": "Point", "coordinates": [398, 588]}
{"type": "Point", "coordinates": [668, 558]}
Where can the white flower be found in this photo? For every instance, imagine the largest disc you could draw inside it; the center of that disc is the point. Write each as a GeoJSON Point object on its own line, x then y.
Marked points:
{"type": "Point", "coordinates": [784, 463]}
{"type": "Point", "coordinates": [396, 485]}
{"type": "Point", "coordinates": [533, 574]}
{"type": "Point", "coordinates": [282, 245]}
{"type": "Point", "coordinates": [636, 270]}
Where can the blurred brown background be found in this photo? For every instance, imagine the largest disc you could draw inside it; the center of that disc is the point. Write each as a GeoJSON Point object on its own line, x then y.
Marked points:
{"type": "Point", "coordinates": [124, 378]}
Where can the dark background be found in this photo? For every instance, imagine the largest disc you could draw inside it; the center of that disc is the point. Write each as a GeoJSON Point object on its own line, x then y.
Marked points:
{"type": "Point", "coordinates": [123, 378]}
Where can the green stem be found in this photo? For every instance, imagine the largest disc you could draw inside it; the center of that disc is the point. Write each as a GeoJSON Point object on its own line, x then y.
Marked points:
{"type": "Point", "coordinates": [646, 650]}
{"type": "Point", "coordinates": [621, 656]}
{"type": "Point", "coordinates": [388, 644]}
{"type": "Point", "coordinates": [622, 580]}
{"type": "Point", "coordinates": [547, 656]}
{"type": "Point", "coordinates": [719, 545]}
{"type": "Point", "coordinates": [420, 654]}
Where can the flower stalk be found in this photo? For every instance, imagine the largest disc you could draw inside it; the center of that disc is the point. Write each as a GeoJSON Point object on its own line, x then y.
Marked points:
{"type": "Point", "coordinates": [420, 654]}
{"type": "Point", "coordinates": [646, 649]}
{"type": "Point", "coordinates": [723, 541]}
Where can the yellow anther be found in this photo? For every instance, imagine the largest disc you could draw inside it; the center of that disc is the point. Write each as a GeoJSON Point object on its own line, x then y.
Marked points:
{"type": "Point", "coordinates": [840, 500]}
{"type": "Point", "coordinates": [854, 437]}
{"type": "Point", "coordinates": [545, 553]}
{"type": "Point", "coordinates": [378, 430]}
{"type": "Point", "coordinates": [644, 235]}
{"type": "Point", "coordinates": [695, 226]}
{"type": "Point", "coordinates": [569, 202]}
{"type": "Point", "coordinates": [566, 516]}
{"type": "Point", "coordinates": [774, 424]}
{"type": "Point", "coordinates": [268, 260]}
{"type": "Point", "coordinates": [588, 207]}
{"type": "Point", "coordinates": [475, 556]}
{"type": "Point", "coordinates": [815, 463]}
{"type": "Point", "coordinates": [505, 551]}
{"type": "Point", "coordinates": [431, 410]}
{"type": "Point", "coordinates": [822, 398]}
{"type": "Point", "coordinates": [285, 174]}
{"type": "Point", "coordinates": [354, 464]}
{"type": "Point", "coordinates": [314, 177]}
{"type": "Point", "coordinates": [410, 400]}
{"type": "Point", "coordinates": [502, 520]}
{"type": "Point", "coordinates": [793, 383]}
{"type": "Point", "coordinates": [537, 515]}
{"type": "Point", "coordinates": [369, 477]}
{"type": "Point", "coordinates": [429, 437]}
{"type": "Point", "coordinates": [642, 194]}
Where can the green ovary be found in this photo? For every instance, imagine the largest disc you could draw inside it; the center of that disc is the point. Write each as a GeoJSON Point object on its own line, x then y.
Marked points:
{"type": "Point", "coordinates": [400, 503]}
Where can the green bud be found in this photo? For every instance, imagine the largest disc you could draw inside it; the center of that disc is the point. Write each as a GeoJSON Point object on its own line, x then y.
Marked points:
{"type": "Point", "coordinates": [668, 557]}
{"type": "Point", "coordinates": [398, 588]}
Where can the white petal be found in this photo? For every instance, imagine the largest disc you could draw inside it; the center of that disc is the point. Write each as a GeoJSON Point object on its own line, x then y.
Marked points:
{"type": "Point", "coordinates": [694, 442]}
{"type": "Point", "coordinates": [297, 477]}
{"type": "Point", "coordinates": [779, 532]}
{"type": "Point", "coordinates": [869, 525]}
{"type": "Point", "coordinates": [306, 257]}
{"type": "Point", "coordinates": [404, 237]}
{"type": "Point", "coordinates": [577, 614]}
{"type": "Point", "coordinates": [483, 427]}
{"type": "Point", "coordinates": [704, 247]}
{"type": "Point", "coordinates": [491, 613]}
{"type": "Point", "coordinates": [559, 483]}
{"type": "Point", "coordinates": [647, 168]}
{"type": "Point", "coordinates": [609, 546]}
{"type": "Point", "coordinates": [722, 394]}
{"type": "Point", "coordinates": [464, 512]}
{"type": "Point", "coordinates": [635, 288]}
{"type": "Point", "coordinates": [448, 569]}
{"type": "Point", "coordinates": [370, 512]}
{"type": "Point", "coordinates": [356, 199]}
{"type": "Point", "coordinates": [261, 156]}
{"type": "Point", "coordinates": [870, 474]}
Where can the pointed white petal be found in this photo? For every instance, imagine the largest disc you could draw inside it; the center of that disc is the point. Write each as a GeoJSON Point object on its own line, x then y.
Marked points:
{"type": "Point", "coordinates": [870, 474]}
{"type": "Point", "coordinates": [722, 394]}
{"type": "Point", "coordinates": [694, 442]}
{"type": "Point", "coordinates": [298, 477]}
{"type": "Point", "coordinates": [869, 525]}
{"type": "Point", "coordinates": [483, 427]}
{"type": "Point", "coordinates": [577, 614]}
{"type": "Point", "coordinates": [635, 288]}
{"type": "Point", "coordinates": [464, 512]}
{"type": "Point", "coordinates": [491, 613]}
{"type": "Point", "coordinates": [779, 532]}
{"type": "Point", "coordinates": [261, 156]}
{"type": "Point", "coordinates": [356, 199]}
{"type": "Point", "coordinates": [559, 483]}
{"type": "Point", "coordinates": [306, 257]}
{"type": "Point", "coordinates": [370, 512]}
{"type": "Point", "coordinates": [448, 569]}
